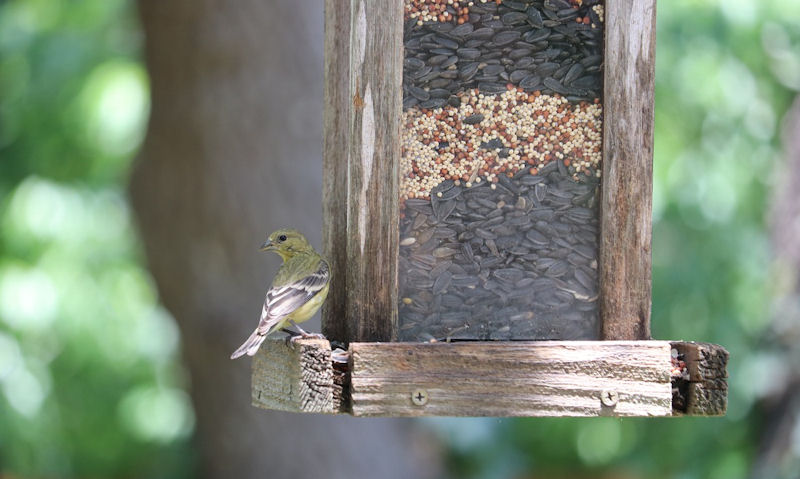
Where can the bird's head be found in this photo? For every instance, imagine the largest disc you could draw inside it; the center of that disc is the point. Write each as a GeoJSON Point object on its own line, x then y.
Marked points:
{"type": "Point", "coordinates": [286, 242]}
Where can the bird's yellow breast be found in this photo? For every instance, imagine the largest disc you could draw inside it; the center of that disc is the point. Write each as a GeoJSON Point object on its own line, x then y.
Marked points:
{"type": "Point", "coordinates": [304, 312]}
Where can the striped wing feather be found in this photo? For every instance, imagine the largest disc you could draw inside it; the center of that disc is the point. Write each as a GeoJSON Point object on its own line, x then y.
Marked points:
{"type": "Point", "coordinates": [282, 300]}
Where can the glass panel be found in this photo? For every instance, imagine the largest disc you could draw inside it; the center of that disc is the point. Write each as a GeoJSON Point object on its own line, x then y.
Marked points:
{"type": "Point", "coordinates": [501, 150]}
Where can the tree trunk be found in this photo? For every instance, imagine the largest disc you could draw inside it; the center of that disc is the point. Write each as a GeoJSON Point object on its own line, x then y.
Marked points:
{"type": "Point", "coordinates": [232, 151]}
{"type": "Point", "coordinates": [778, 456]}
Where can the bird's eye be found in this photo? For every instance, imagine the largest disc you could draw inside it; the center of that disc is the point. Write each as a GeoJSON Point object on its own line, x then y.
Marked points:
{"type": "Point", "coordinates": [282, 238]}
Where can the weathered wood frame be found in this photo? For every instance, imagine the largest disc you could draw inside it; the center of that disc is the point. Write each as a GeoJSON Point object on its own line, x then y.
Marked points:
{"type": "Point", "coordinates": [361, 154]}
{"type": "Point", "coordinates": [627, 180]}
{"type": "Point", "coordinates": [363, 107]}
{"type": "Point", "coordinates": [626, 374]}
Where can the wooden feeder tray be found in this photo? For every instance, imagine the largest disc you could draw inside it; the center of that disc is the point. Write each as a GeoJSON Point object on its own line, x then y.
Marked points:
{"type": "Point", "coordinates": [626, 374]}
{"type": "Point", "coordinates": [513, 378]}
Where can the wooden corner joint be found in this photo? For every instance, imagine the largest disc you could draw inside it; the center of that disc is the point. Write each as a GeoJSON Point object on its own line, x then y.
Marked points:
{"type": "Point", "coordinates": [699, 379]}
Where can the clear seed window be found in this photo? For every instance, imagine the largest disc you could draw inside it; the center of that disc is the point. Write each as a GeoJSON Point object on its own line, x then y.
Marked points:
{"type": "Point", "coordinates": [500, 170]}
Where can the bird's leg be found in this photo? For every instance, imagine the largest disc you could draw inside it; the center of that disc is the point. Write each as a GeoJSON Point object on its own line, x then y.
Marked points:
{"type": "Point", "coordinates": [291, 335]}
{"type": "Point", "coordinates": [304, 333]}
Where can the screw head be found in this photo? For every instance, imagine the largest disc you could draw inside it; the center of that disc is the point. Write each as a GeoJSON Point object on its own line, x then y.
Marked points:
{"type": "Point", "coordinates": [419, 397]}
{"type": "Point", "coordinates": [609, 398]}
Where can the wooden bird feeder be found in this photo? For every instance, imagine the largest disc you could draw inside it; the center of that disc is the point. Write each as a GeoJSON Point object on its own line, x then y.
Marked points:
{"type": "Point", "coordinates": [487, 207]}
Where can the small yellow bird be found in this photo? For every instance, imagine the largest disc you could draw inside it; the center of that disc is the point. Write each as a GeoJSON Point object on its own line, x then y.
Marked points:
{"type": "Point", "coordinates": [297, 292]}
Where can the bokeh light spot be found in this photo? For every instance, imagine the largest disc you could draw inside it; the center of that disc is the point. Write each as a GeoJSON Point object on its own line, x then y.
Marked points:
{"type": "Point", "coordinates": [158, 415]}
{"type": "Point", "coordinates": [116, 99]}
{"type": "Point", "coordinates": [28, 298]}
{"type": "Point", "coordinates": [23, 391]}
{"type": "Point", "coordinates": [599, 441]}
{"type": "Point", "coordinates": [10, 356]}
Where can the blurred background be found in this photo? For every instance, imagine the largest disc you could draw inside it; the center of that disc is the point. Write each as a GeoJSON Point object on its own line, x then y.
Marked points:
{"type": "Point", "coordinates": [129, 271]}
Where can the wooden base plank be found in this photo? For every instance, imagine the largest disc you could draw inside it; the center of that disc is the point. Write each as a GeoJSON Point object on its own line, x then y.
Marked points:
{"type": "Point", "coordinates": [547, 378]}
{"type": "Point", "coordinates": [296, 377]}
{"type": "Point", "coordinates": [544, 378]}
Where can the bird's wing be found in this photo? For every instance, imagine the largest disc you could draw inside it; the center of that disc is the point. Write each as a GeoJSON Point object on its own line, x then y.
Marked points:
{"type": "Point", "coordinates": [282, 300]}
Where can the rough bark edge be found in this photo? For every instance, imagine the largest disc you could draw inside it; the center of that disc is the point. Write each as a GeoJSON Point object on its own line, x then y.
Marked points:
{"type": "Point", "coordinates": [296, 377]}
{"type": "Point", "coordinates": [699, 379]}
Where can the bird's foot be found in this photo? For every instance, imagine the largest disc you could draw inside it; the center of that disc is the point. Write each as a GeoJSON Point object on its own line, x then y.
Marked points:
{"type": "Point", "coordinates": [305, 335]}
{"type": "Point", "coordinates": [313, 336]}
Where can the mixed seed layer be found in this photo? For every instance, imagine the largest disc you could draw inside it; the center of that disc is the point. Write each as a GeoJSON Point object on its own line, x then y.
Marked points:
{"type": "Point", "coordinates": [491, 135]}
{"type": "Point", "coordinates": [500, 169]}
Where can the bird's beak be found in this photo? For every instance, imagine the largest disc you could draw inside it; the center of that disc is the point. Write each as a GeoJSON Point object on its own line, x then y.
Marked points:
{"type": "Point", "coordinates": [267, 246]}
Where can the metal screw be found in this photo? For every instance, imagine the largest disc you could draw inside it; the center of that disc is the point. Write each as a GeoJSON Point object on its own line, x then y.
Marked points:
{"type": "Point", "coordinates": [609, 398]}
{"type": "Point", "coordinates": [419, 397]}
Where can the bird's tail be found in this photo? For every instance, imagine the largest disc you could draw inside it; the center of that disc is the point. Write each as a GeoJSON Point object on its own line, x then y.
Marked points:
{"type": "Point", "coordinates": [250, 347]}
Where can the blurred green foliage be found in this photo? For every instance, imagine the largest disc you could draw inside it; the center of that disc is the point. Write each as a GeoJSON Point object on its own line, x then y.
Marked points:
{"type": "Point", "coordinates": [90, 384]}
{"type": "Point", "coordinates": [726, 73]}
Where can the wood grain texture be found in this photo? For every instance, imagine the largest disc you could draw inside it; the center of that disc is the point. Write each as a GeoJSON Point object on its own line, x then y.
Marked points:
{"type": "Point", "coordinates": [626, 202]}
{"type": "Point", "coordinates": [707, 399]}
{"type": "Point", "coordinates": [548, 378]}
{"type": "Point", "coordinates": [336, 141]}
{"type": "Point", "coordinates": [704, 361]}
{"type": "Point", "coordinates": [363, 108]}
{"type": "Point", "coordinates": [704, 389]}
{"type": "Point", "coordinates": [295, 377]}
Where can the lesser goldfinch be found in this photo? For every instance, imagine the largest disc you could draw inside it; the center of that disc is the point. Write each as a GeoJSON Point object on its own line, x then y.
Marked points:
{"type": "Point", "coordinates": [297, 292]}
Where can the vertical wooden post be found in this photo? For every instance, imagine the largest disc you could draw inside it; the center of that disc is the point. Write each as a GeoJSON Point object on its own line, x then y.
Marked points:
{"type": "Point", "coordinates": [335, 151]}
{"type": "Point", "coordinates": [363, 108]}
{"type": "Point", "coordinates": [626, 204]}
